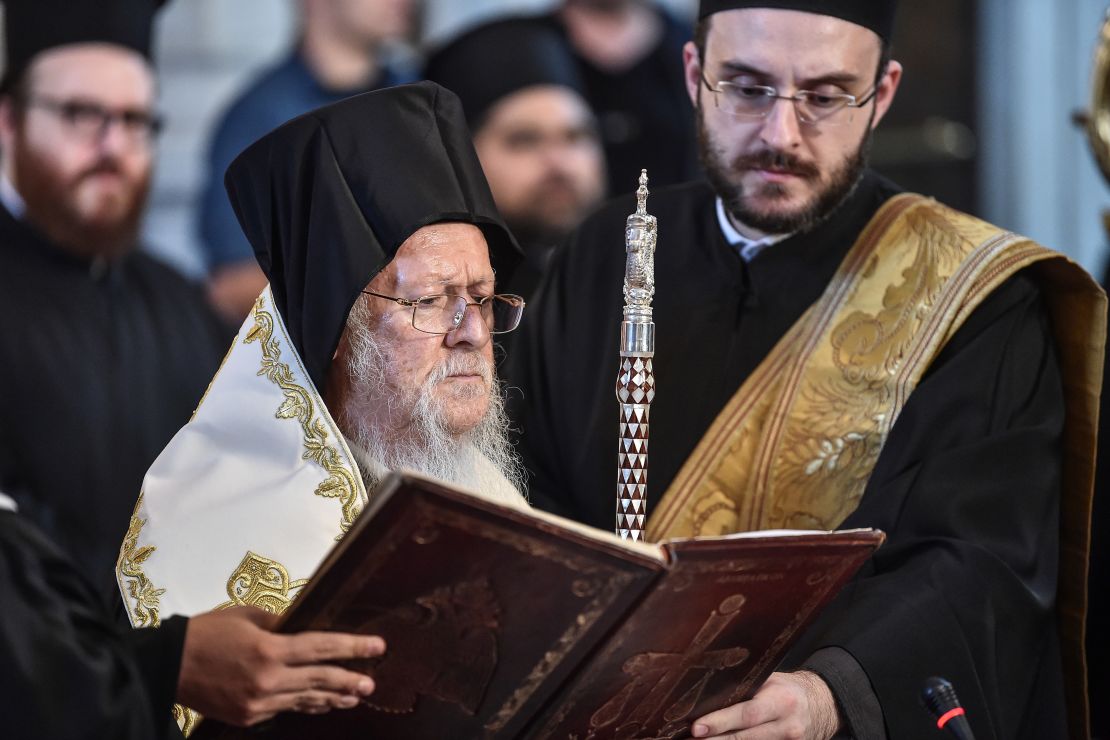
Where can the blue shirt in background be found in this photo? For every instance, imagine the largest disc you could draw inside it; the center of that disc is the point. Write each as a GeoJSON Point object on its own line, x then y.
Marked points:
{"type": "Point", "coordinates": [280, 93]}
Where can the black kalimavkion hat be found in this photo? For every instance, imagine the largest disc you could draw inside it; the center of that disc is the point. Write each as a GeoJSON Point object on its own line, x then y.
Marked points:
{"type": "Point", "coordinates": [494, 60]}
{"type": "Point", "coordinates": [34, 26]}
{"type": "Point", "coordinates": [878, 15]}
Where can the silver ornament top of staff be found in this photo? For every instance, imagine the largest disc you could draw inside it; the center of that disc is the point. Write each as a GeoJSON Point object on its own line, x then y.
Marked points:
{"type": "Point", "coordinates": [640, 235]}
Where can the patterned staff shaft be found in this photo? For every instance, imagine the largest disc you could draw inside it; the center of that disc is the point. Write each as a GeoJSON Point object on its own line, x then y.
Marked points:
{"type": "Point", "coordinates": [636, 379]}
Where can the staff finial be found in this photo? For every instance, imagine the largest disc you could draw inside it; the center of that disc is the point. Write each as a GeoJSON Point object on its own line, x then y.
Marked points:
{"type": "Point", "coordinates": [642, 194]}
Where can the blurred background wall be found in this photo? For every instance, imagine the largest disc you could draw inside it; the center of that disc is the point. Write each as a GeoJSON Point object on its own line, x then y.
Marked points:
{"type": "Point", "coordinates": [983, 120]}
{"type": "Point", "coordinates": [1036, 173]}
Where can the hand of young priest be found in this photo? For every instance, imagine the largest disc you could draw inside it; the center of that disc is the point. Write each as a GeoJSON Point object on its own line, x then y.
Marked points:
{"type": "Point", "coordinates": [236, 669]}
{"type": "Point", "coordinates": [788, 705]}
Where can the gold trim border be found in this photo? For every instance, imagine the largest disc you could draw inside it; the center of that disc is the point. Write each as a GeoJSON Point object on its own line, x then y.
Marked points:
{"type": "Point", "coordinates": [143, 596]}
{"type": "Point", "coordinates": [298, 404]}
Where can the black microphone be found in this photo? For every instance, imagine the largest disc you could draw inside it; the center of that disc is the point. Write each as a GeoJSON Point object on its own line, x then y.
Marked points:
{"type": "Point", "coordinates": [939, 697]}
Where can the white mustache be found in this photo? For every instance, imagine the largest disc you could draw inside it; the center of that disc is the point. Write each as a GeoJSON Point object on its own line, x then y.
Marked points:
{"type": "Point", "coordinates": [469, 363]}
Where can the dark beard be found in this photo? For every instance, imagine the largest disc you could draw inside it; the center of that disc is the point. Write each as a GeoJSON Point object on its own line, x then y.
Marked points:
{"type": "Point", "coordinates": [842, 183]}
{"type": "Point", "coordinates": [50, 207]}
{"type": "Point", "coordinates": [537, 239]}
{"type": "Point", "coordinates": [538, 233]}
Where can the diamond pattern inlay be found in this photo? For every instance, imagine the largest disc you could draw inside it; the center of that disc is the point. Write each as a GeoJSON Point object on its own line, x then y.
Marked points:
{"type": "Point", "coordinates": [635, 390]}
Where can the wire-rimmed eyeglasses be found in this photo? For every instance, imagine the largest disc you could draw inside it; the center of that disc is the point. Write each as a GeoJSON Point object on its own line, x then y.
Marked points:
{"type": "Point", "coordinates": [443, 313]}
{"type": "Point", "coordinates": [757, 101]}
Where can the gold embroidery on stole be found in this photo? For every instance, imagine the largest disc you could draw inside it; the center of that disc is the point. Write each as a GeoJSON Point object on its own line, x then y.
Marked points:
{"type": "Point", "coordinates": [144, 597]}
{"type": "Point", "coordinates": [257, 581]}
{"type": "Point", "coordinates": [298, 404]}
{"type": "Point", "coordinates": [796, 444]}
{"type": "Point", "coordinates": [261, 582]}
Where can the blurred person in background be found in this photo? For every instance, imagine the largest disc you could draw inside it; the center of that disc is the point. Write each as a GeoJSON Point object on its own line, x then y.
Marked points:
{"type": "Point", "coordinates": [630, 58]}
{"type": "Point", "coordinates": [104, 351]}
{"type": "Point", "coordinates": [534, 133]}
{"type": "Point", "coordinates": [341, 50]}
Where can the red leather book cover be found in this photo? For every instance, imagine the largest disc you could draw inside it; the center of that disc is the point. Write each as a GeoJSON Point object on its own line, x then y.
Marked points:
{"type": "Point", "coordinates": [710, 631]}
{"type": "Point", "coordinates": [504, 624]}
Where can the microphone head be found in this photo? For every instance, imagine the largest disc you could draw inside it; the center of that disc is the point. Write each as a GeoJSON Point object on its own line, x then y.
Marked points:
{"type": "Point", "coordinates": [938, 696]}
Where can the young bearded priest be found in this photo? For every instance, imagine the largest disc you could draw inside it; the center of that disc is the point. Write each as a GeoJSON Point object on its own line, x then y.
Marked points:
{"type": "Point", "coordinates": [832, 352]}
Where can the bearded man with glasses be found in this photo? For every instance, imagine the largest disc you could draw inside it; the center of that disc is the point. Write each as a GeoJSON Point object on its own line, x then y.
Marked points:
{"type": "Point", "coordinates": [832, 352]}
{"type": "Point", "coordinates": [371, 350]}
{"type": "Point", "coordinates": [104, 350]}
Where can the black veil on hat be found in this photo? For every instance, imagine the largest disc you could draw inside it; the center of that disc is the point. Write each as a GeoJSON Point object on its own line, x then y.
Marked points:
{"type": "Point", "coordinates": [327, 199]}
{"type": "Point", "coordinates": [878, 15]}
{"type": "Point", "coordinates": [496, 59]}
{"type": "Point", "coordinates": [33, 26]}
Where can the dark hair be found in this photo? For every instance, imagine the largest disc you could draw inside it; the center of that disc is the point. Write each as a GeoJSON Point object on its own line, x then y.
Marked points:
{"type": "Point", "coordinates": [884, 60]}
{"type": "Point", "coordinates": [18, 89]}
{"type": "Point", "coordinates": [701, 34]}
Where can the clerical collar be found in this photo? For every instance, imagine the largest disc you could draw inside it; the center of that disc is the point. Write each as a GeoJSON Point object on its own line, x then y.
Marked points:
{"type": "Point", "coordinates": [10, 198]}
{"type": "Point", "coordinates": [7, 504]}
{"type": "Point", "coordinates": [748, 248]}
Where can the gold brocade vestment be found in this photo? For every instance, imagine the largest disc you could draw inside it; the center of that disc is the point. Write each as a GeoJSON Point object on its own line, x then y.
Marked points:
{"type": "Point", "coordinates": [796, 444]}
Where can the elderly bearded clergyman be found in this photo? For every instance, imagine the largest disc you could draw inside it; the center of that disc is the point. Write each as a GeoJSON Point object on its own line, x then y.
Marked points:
{"type": "Point", "coordinates": [371, 350]}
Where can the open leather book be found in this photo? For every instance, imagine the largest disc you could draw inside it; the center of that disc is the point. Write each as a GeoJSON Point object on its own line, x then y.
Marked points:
{"type": "Point", "coordinates": [505, 623]}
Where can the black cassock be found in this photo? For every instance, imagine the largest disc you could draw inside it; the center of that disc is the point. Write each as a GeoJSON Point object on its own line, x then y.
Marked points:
{"type": "Point", "coordinates": [100, 365]}
{"type": "Point", "coordinates": [641, 106]}
{"type": "Point", "coordinates": [66, 671]}
{"type": "Point", "coordinates": [967, 486]}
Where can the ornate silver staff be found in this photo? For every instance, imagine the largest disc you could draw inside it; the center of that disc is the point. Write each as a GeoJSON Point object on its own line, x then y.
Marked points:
{"type": "Point", "coordinates": [636, 379]}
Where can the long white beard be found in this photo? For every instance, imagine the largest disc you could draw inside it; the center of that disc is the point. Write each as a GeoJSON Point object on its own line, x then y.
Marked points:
{"type": "Point", "coordinates": [414, 436]}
